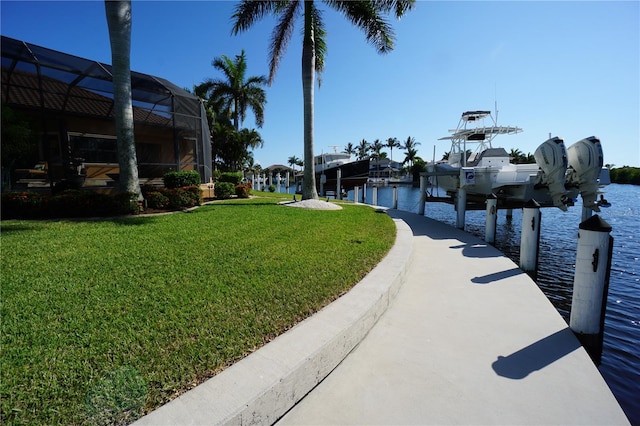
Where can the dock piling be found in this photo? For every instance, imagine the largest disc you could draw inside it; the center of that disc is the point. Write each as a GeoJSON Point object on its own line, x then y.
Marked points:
{"type": "Point", "coordinates": [461, 207]}
{"type": "Point", "coordinates": [591, 284]}
{"type": "Point", "coordinates": [394, 202]}
{"type": "Point", "coordinates": [423, 186]}
{"type": "Point", "coordinates": [491, 219]}
{"type": "Point", "coordinates": [530, 236]}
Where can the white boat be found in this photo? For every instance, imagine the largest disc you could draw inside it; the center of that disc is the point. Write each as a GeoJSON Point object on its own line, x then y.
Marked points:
{"type": "Point", "coordinates": [556, 179]}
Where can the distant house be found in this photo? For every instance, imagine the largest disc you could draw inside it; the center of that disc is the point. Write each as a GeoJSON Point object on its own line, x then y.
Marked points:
{"type": "Point", "coordinates": [70, 102]}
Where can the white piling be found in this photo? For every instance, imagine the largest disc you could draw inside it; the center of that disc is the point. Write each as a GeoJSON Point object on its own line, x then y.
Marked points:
{"type": "Point", "coordinates": [278, 182]}
{"type": "Point", "coordinates": [374, 196]}
{"type": "Point", "coordinates": [356, 194]}
{"type": "Point", "coordinates": [461, 207]}
{"type": "Point", "coordinates": [286, 185]}
{"type": "Point", "coordinates": [423, 186]}
{"type": "Point", "coordinates": [394, 202]}
{"type": "Point", "coordinates": [364, 193]}
{"type": "Point", "coordinates": [530, 236]}
{"type": "Point", "coordinates": [590, 284]}
{"type": "Point", "coordinates": [338, 183]}
{"type": "Point", "coordinates": [491, 219]}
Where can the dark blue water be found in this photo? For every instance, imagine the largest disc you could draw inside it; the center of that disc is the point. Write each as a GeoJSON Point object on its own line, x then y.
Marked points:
{"type": "Point", "coordinates": [620, 364]}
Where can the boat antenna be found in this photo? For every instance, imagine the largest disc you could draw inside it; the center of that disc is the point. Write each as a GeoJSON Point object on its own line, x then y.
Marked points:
{"type": "Point", "coordinates": [335, 148]}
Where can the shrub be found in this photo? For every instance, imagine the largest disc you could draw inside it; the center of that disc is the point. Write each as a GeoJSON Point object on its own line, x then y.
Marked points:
{"type": "Point", "coordinates": [156, 200]}
{"type": "Point", "coordinates": [272, 188]}
{"type": "Point", "coordinates": [224, 190]}
{"type": "Point", "coordinates": [243, 190]}
{"type": "Point", "coordinates": [181, 179]}
{"type": "Point", "coordinates": [180, 198]}
{"type": "Point", "coordinates": [69, 203]}
{"type": "Point", "coordinates": [173, 198]}
{"type": "Point", "coordinates": [23, 204]}
{"type": "Point", "coordinates": [234, 178]}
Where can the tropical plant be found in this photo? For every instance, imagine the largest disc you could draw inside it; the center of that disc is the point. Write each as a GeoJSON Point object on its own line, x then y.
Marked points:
{"type": "Point", "coordinates": [363, 149]}
{"type": "Point", "coordinates": [517, 156]}
{"type": "Point", "coordinates": [392, 143]}
{"type": "Point", "coordinates": [411, 156]}
{"type": "Point", "coordinates": [293, 162]}
{"type": "Point", "coordinates": [231, 148]}
{"type": "Point", "coordinates": [367, 15]}
{"type": "Point", "coordinates": [411, 151]}
{"type": "Point", "coordinates": [234, 94]}
{"type": "Point", "coordinates": [376, 148]}
{"type": "Point", "coordinates": [349, 149]}
{"type": "Point", "coordinates": [119, 23]}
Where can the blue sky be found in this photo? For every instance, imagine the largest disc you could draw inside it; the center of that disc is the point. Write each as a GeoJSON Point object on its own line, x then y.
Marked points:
{"type": "Point", "coordinates": [566, 68]}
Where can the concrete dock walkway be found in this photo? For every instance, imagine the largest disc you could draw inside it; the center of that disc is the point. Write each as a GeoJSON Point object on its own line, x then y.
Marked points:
{"type": "Point", "coordinates": [467, 339]}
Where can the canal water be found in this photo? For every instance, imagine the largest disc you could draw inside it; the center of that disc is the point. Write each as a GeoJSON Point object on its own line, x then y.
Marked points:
{"type": "Point", "coordinates": [620, 364]}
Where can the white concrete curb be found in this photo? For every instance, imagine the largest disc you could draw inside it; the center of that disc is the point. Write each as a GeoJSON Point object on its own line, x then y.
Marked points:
{"type": "Point", "coordinates": [262, 387]}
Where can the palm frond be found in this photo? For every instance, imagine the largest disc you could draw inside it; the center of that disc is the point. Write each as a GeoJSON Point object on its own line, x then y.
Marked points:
{"type": "Point", "coordinates": [281, 34]}
{"type": "Point", "coordinates": [320, 43]}
{"type": "Point", "coordinates": [247, 12]}
{"type": "Point", "coordinates": [368, 16]}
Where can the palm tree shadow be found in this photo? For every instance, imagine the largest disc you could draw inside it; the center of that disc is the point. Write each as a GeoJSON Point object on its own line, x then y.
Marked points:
{"type": "Point", "coordinates": [537, 355]}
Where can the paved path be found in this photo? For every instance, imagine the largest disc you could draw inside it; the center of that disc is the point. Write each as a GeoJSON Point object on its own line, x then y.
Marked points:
{"type": "Point", "coordinates": [446, 330]}
{"type": "Point", "coordinates": [469, 339]}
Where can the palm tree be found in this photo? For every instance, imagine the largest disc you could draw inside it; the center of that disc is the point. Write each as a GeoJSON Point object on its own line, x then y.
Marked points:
{"type": "Point", "coordinates": [392, 143]}
{"type": "Point", "coordinates": [119, 23]}
{"type": "Point", "coordinates": [349, 149]}
{"type": "Point", "coordinates": [363, 149]}
{"type": "Point", "coordinates": [411, 156]}
{"type": "Point", "coordinates": [410, 146]}
{"type": "Point", "coordinates": [365, 14]}
{"type": "Point", "coordinates": [293, 162]}
{"type": "Point", "coordinates": [375, 148]}
{"type": "Point", "coordinates": [517, 156]}
{"type": "Point", "coordinates": [236, 92]}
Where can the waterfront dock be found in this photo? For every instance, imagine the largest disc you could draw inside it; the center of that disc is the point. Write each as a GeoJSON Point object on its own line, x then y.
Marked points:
{"type": "Point", "coordinates": [446, 330]}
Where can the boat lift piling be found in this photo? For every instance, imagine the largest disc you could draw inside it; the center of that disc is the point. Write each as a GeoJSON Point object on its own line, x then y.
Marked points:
{"type": "Point", "coordinates": [491, 219]}
{"type": "Point", "coordinates": [339, 182]}
{"type": "Point", "coordinates": [394, 199]}
{"type": "Point", "coordinates": [530, 237]}
{"type": "Point", "coordinates": [356, 194]}
{"type": "Point", "coordinates": [423, 187]}
{"type": "Point", "coordinates": [591, 284]}
{"type": "Point", "coordinates": [374, 195]}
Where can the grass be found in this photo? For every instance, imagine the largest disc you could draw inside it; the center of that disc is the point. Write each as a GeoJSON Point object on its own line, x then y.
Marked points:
{"type": "Point", "coordinates": [105, 320]}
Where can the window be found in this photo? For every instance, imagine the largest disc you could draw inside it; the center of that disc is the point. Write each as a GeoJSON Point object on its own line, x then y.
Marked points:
{"type": "Point", "coordinates": [94, 148]}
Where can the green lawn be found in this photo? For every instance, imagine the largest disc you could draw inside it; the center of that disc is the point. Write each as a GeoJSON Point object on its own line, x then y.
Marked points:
{"type": "Point", "coordinates": [102, 321]}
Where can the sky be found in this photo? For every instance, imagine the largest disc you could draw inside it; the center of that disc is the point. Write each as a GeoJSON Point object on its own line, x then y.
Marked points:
{"type": "Point", "coordinates": [569, 69]}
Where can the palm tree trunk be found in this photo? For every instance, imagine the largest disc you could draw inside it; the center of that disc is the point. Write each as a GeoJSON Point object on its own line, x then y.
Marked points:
{"type": "Point", "coordinates": [308, 76]}
{"type": "Point", "coordinates": [119, 23]}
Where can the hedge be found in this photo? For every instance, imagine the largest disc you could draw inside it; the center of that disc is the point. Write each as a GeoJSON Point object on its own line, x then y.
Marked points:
{"type": "Point", "coordinates": [181, 179]}
{"type": "Point", "coordinates": [69, 203]}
